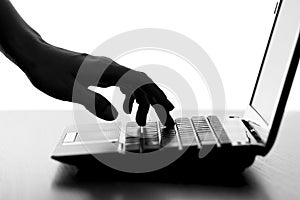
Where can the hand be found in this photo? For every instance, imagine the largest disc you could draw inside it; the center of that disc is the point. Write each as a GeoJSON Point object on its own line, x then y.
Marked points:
{"type": "Point", "coordinates": [54, 71]}
{"type": "Point", "coordinates": [66, 75]}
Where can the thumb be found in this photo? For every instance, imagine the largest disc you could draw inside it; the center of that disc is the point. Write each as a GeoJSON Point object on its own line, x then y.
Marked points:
{"type": "Point", "coordinates": [95, 103]}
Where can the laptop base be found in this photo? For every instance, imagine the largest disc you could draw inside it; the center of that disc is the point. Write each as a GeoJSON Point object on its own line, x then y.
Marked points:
{"type": "Point", "coordinates": [218, 161]}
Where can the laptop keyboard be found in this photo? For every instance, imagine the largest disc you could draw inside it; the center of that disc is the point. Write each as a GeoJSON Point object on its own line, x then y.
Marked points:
{"type": "Point", "coordinates": [197, 131]}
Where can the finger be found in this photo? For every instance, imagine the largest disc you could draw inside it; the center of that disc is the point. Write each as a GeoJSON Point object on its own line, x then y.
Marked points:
{"type": "Point", "coordinates": [155, 92]}
{"type": "Point", "coordinates": [104, 109]}
{"type": "Point", "coordinates": [143, 109]}
{"type": "Point", "coordinates": [128, 103]}
{"type": "Point", "coordinates": [169, 121]}
{"type": "Point", "coordinates": [163, 115]}
{"type": "Point", "coordinates": [95, 103]}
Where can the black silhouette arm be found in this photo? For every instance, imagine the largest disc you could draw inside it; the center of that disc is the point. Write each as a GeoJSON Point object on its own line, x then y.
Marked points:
{"type": "Point", "coordinates": [53, 70]}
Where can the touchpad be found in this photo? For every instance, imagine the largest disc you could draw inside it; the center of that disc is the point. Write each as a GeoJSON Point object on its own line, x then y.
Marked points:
{"type": "Point", "coordinates": [95, 136]}
{"type": "Point", "coordinates": [92, 133]}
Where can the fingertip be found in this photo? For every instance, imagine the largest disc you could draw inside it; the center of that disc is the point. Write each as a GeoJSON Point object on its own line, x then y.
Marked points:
{"type": "Point", "coordinates": [126, 109]}
{"type": "Point", "coordinates": [141, 117]}
{"type": "Point", "coordinates": [164, 115]}
{"type": "Point", "coordinates": [141, 122]}
{"type": "Point", "coordinates": [169, 106]}
{"type": "Point", "coordinates": [128, 104]}
{"type": "Point", "coordinates": [169, 121]}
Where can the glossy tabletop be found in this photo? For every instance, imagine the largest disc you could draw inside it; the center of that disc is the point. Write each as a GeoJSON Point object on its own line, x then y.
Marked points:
{"type": "Point", "coordinates": [27, 139]}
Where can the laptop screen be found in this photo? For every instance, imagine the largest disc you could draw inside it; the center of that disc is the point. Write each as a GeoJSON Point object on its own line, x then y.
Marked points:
{"type": "Point", "coordinates": [267, 89]}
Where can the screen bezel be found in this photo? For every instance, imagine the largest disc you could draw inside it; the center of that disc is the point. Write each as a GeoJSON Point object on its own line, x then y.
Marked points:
{"type": "Point", "coordinates": [278, 5]}
{"type": "Point", "coordinates": [287, 11]}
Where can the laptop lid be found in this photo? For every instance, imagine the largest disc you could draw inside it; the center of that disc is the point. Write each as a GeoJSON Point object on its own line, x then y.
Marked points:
{"type": "Point", "coordinates": [276, 74]}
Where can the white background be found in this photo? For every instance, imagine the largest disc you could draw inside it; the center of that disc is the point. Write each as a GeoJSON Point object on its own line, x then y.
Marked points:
{"type": "Point", "coordinates": [234, 33]}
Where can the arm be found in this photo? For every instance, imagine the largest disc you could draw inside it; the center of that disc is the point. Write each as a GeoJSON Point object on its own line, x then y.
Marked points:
{"type": "Point", "coordinates": [53, 70]}
{"type": "Point", "coordinates": [18, 41]}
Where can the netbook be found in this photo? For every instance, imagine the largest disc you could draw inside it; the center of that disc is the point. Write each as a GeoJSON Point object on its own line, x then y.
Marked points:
{"type": "Point", "coordinates": [206, 140]}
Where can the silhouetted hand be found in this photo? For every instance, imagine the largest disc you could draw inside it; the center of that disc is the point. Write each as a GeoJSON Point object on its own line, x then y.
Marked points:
{"type": "Point", "coordinates": [136, 86]}
{"type": "Point", "coordinates": [66, 75]}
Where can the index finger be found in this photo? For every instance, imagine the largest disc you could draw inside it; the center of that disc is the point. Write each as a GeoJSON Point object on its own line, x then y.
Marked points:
{"type": "Point", "coordinates": [163, 115]}
{"type": "Point", "coordinates": [159, 96]}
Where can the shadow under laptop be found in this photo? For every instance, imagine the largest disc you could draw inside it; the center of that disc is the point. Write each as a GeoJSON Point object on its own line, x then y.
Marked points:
{"type": "Point", "coordinates": [110, 184]}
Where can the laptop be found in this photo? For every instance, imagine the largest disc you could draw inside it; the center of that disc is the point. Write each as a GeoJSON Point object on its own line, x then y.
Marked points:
{"type": "Point", "coordinates": [203, 141]}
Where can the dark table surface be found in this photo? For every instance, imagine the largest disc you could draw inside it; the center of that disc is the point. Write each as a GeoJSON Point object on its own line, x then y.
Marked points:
{"type": "Point", "coordinates": [27, 172]}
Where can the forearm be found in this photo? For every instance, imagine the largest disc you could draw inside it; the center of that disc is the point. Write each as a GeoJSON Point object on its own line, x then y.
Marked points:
{"type": "Point", "coordinates": [54, 71]}
{"type": "Point", "coordinates": [25, 47]}
{"type": "Point", "coordinates": [18, 41]}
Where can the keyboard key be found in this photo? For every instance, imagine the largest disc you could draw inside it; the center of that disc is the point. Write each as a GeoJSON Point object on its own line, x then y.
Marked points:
{"type": "Point", "coordinates": [219, 130]}
{"type": "Point", "coordinates": [203, 131]}
{"type": "Point", "coordinates": [132, 141]}
{"type": "Point", "coordinates": [168, 137]}
{"type": "Point", "coordinates": [150, 139]}
{"type": "Point", "coordinates": [185, 131]}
